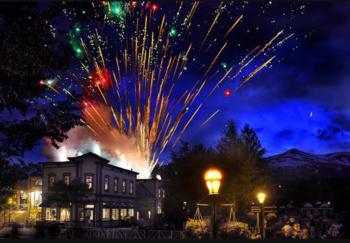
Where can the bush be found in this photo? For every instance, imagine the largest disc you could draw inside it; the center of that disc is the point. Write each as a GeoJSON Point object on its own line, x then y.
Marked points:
{"type": "Point", "coordinates": [234, 230]}
{"type": "Point", "coordinates": [197, 229]}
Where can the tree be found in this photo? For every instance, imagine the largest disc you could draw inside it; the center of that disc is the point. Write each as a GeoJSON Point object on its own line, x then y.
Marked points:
{"type": "Point", "coordinates": [241, 158]}
{"type": "Point", "coordinates": [251, 141]}
{"type": "Point", "coordinates": [31, 50]}
{"type": "Point", "coordinates": [183, 181]}
{"type": "Point", "coordinates": [66, 195]}
{"type": "Point", "coordinates": [70, 195]}
{"type": "Point", "coordinates": [234, 156]}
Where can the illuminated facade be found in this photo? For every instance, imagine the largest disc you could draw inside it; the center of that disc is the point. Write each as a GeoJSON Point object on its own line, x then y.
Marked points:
{"type": "Point", "coordinates": [26, 202]}
{"type": "Point", "coordinates": [116, 194]}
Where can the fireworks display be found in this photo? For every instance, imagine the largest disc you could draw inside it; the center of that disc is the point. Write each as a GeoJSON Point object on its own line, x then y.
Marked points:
{"type": "Point", "coordinates": [132, 104]}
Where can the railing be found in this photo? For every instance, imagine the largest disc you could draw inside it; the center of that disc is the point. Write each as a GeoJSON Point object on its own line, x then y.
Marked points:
{"type": "Point", "coordinates": [127, 234]}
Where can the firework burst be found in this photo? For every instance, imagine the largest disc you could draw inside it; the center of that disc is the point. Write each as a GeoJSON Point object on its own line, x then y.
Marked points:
{"type": "Point", "coordinates": [129, 102]}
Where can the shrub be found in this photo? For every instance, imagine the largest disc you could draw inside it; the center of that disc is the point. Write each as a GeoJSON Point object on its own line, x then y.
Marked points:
{"type": "Point", "coordinates": [234, 230]}
{"type": "Point", "coordinates": [197, 229]}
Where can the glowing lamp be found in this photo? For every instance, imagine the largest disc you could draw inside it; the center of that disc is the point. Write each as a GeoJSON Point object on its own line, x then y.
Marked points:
{"type": "Point", "coordinates": [261, 197]}
{"type": "Point", "coordinates": [213, 178]}
{"type": "Point", "coordinates": [10, 201]}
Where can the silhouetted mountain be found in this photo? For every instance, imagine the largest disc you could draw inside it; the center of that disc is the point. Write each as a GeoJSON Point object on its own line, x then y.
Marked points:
{"type": "Point", "coordinates": [295, 164]}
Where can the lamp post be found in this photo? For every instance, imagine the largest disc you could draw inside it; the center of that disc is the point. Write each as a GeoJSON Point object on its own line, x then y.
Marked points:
{"type": "Point", "coordinates": [9, 203]}
{"type": "Point", "coordinates": [261, 199]}
{"type": "Point", "coordinates": [213, 178]}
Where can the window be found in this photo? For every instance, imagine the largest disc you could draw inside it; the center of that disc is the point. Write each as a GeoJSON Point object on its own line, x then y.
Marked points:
{"type": "Point", "coordinates": [106, 183]}
{"type": "Point", "coordinates": [65, 214]}
{"type": "Point", "coordinates": [124, 186]}
{"type": "Point", "coordinates": [89, 181]}
{"type": "Point", "coordinates": [123, 213]}
{"type": "Point", "coordinates": [115, 214]}
{"type": "Point", "coordinates": [50, 214]}
{"type": "Point", "coordinates": [115, 184]}
{"type": "Point", "coordinates": [159, 210]}
{"type": "Point", "coordinates": [131, 212]}
{"type": "Point", "coordinates": [66, 179]}
{"type": "Point", "coordinates": [38, 182]}
{"type": "Point", "coordinates": [131, 187]}
{"type": "Point", "coordinates": [35, 199]}
{"type": "Point", "coordinates": [149, 214]}
{"type": "Point", "coordinates": [159, 192]}
{"type": "Point", "coordinates": [106, 214]}
{"type": "Point", "coordinates": [52, 180]}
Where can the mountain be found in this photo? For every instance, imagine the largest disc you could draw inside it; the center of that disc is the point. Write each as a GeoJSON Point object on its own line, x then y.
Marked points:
{"type": "Point", "coordinates": [296, 164]}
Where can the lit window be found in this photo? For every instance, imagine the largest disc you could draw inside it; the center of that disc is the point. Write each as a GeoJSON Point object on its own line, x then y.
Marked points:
{"type": "Point", "coordinates": [131, 212]}
{"type": "Point", "coordinates": [35, 199]}
{"type": "Point", "coordinates": [159, 193]}
{"type": "Point", "coordinates": [89, 181]}
{"type": "Point", "coordinates": [159, 210]}
{"type": "Point", "coordinates": [149, 214]}
{"type": "Point", "coordinates": [131, 187]}
{"type": "Point", "coordinates": [52, 180]}
{"type": "Point", "coordinates": [106, 183]}
{"type": "Point", "coordinates": [65, 214]}
{"type": "Point", "coordinates": [106, 214]}
{"type": "Point", "coordinates": [123, 213]}
{"type": "Point", "coordinates": [50, 214]}
{"type": "Point", "coordinates": [66, 179]}
{"type": "Point", "coordinates": [115, 214]}
{"type": "Point", "coordinates": [115, 184]}
{"type": "Point", "coordinates": [124, 186]}
{"type": "Point", "coordinates": [38, 182]}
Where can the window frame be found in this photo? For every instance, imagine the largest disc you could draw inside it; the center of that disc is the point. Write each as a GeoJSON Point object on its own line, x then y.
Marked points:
{"type": "Point", "coordinates": [131, 187]}
{"type": "Point", "coordinates": [106, 184]}
{"type": "Point", "coordinates": [116, 185]}
{"type": "Point", "coordinates": [124, 186]}
{"type": "Point", "coordinates": [51, 175]}
{"type": "Point", "coordinates": [92, 180]}
{"type": "Point", "coordinates": [64, 178]}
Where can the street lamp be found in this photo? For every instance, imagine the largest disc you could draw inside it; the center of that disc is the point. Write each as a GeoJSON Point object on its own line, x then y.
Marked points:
{"type": "Point", "coordinates": [213, 178]}
{"type": "Point", "coordinates": [10, 202]}
{"type": "Point", "coordinates": [261, 199]}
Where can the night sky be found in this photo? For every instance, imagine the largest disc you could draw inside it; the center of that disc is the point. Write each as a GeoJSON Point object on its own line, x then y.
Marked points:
{"type": "Point", "coordinates": [301, 101]}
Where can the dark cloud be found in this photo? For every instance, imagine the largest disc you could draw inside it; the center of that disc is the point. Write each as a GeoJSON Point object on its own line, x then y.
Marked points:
{"type": "Point", "coordinates": [285, 134]}
{"type": "Point", "coordinates": [328, 133]}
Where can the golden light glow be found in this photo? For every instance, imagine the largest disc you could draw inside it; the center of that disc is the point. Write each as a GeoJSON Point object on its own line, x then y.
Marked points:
{"type": "Point", "coordinates": [261, 197]}
{"type": "Point", "coordinates": [213, 178]}
{"type": "Point", "coordinates": [10, 201]}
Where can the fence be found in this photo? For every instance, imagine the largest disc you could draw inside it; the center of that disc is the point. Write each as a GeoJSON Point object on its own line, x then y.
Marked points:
{"type": "Point", "coordinates": [127, 234]}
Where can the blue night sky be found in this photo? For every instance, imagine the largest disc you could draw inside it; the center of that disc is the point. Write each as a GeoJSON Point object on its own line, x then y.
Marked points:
{"type": "Point", "coordinates": [303, 100]}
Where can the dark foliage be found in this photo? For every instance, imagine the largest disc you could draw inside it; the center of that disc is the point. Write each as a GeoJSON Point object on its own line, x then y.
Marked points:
{"type": "Point", "coordinates": [63, 195]}
{"type": "Point", "coordinates": [238, 155]}
{"type": "Point", "coordinates": [30, 51]}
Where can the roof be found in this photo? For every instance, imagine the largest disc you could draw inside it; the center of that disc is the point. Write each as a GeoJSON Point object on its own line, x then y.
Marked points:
{"type": "Point", "coordinates": [142, 191]}
{"type": "Point", "coordinates": [87, 155]}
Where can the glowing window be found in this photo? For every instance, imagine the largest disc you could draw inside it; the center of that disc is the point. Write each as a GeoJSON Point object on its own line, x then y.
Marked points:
{"type": "Point", "coordinates": [131, 187]}
{"type": "Point", "coordinates": [106, 183]}
{"type": "Point", "coordinates": [116, 184]}
{"type": "Point", "coordinates": [89, 181]}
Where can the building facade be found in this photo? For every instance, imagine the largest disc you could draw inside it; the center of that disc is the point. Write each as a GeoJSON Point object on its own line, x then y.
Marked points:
{"type": "Point", "coordinates": [116, 195]}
